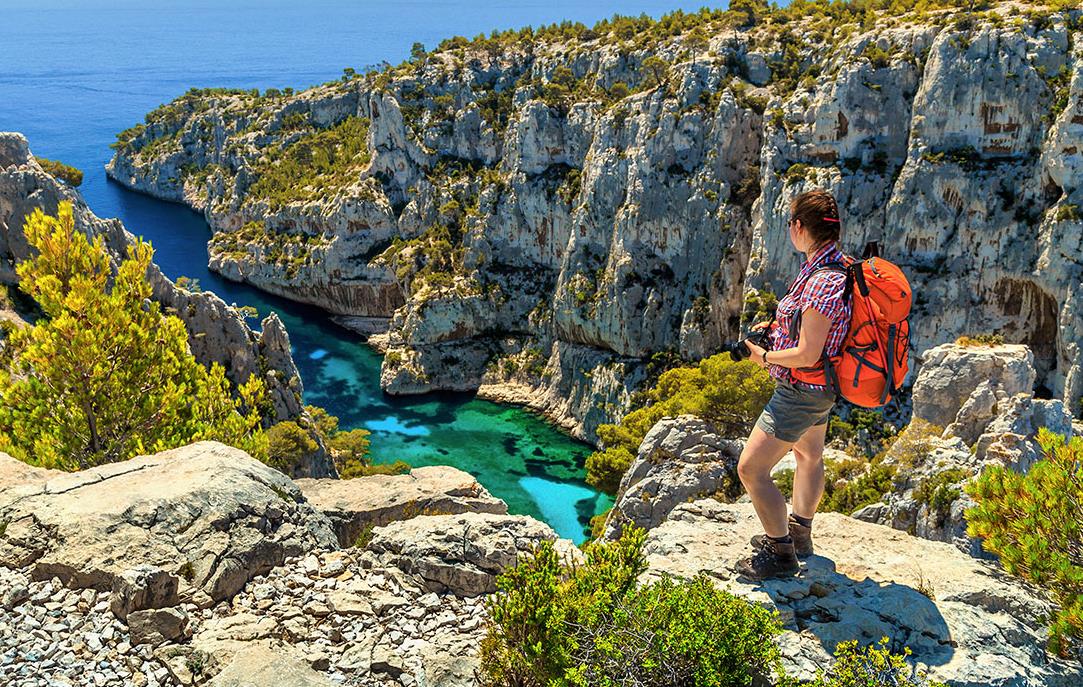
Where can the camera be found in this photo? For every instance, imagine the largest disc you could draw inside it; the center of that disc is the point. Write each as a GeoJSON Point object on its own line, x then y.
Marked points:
{"type": "Point", "coordinates": [739, 351]}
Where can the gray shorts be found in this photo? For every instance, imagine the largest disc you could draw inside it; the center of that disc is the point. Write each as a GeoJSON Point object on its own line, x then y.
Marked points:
{"type": "Point", "coordinates": [790, 410]}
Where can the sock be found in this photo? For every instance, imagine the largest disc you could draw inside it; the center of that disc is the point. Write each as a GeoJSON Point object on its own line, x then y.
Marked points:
{"type": "Point", "coordinates": [781, 540]}
{"type": "Point", "coordinates": [807, 522]}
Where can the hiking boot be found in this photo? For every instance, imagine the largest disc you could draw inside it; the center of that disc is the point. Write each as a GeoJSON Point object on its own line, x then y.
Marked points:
{"type": "Point", "coordinates": [801, 535]}
{"type": "Point", "coordinates": [772, 559]}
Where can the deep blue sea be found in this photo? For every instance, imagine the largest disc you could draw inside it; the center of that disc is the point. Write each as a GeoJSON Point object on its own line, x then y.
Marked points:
{"type": "Point", "coordinates": [73, 74]}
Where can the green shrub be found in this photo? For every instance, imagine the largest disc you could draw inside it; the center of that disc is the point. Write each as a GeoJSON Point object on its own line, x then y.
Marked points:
{"type": "Point", "coordinates": [729, 395]}
{"type": "Point", "coordinates": [590, 624]}
{"type": "Point", "coordinates": [1068, 213]}
{"type": "Point", "coordinates": [938, 492]}
{"type": "Point", "coordinates": [288, 443]}
{"type": "Point", "coordinates": [877, 57]}
{"type": "Point", "coordinates": [878, 433]}
{"type": "Point", "coordinates": [1034, 523]}
{"type": "Point", "coordinates": [798, 171]}
{"type": "Point", "coordinates": [871, 667]}
{"type": "Point", "coordinates": [104, 375]}
{"type": "Point", "coordinates": [606, 468]}
{"type": "Point", "coordinates": [66, 173]}
{"type": "Point", "coordinates": [853, 484]}
{"type": "Point", "coordinates": [913, 444]}
{"type": "Point", "coordinates": [980, 340]}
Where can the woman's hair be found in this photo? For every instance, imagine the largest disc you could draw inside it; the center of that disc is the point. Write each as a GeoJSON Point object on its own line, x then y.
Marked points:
{"type": "Point", "coordinates": [819, 214]}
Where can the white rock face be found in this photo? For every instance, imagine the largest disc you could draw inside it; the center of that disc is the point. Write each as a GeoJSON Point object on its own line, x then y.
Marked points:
{"type": "Point", "coordinates": [680, 458]}
{"type": "Point", "coordinates": [965, 619]}
{"type": "Point", "coordinates": [958, 386]}
{"type": "Point", "coordinates": [635, 227]}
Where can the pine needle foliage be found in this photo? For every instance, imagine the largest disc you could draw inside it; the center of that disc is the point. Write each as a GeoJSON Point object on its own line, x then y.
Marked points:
{"type": "Point", "coordinates": [104, 375]}
{"type": "Point", "coordinates": [1034, 523]}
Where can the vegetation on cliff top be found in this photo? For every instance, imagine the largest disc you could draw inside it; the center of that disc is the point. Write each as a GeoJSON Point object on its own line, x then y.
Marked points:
{"type": "Point", "coordinates": [314, 165]}
{"type": "Point", "coordinates": [72, 176]}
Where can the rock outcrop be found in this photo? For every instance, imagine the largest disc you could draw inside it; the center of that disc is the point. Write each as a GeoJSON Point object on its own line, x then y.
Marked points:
{"type": "Point", "coordinates": [14, 472]}
{"type": "Point", "coordinates": [218, 333]}
{"type": "Point", "coordinates": [201, 565]}
{"type": "Point", "coordinates": [353, 505]}
{"type": "Point", "coordinates": [967, 621]}
{"type": "Point", "coordinates": [461, 553]}
{"type": "Point", "coordinates": [541, 218]}
{"type": "Point", "coordinates": [207, 514]}
{"type": "Point", "coordinates": [973, 406]}
{"type": "Point", "coordinates": [680, 459]}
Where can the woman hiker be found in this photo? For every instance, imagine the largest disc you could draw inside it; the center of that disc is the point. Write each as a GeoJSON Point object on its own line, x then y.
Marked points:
{"type": "Point", "coordinates": [796, 415]}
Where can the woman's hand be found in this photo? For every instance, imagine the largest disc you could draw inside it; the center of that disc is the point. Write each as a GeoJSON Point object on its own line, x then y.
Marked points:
{"type": "Point", "coordinates": [757, 353]}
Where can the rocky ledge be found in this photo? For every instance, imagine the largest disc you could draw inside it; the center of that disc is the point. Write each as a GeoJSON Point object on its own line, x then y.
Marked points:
{"type": "Point", "coordinates": [965, 619]}
{"type": "Point", "coordinates": [202, 564]}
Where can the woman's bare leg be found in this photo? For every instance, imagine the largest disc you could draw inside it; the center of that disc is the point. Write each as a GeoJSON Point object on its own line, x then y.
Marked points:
{"type": "Point", "coordinates": [761, 453]}
{"type": "Point", "coordinates": [808, 478]}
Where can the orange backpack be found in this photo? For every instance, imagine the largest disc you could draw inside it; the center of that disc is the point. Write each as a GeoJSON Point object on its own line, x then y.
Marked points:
{"type": "Point", "coordinates": [874, 357]}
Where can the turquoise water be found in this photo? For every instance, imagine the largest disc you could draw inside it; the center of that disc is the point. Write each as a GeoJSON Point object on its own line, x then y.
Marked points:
{"type": "Point", "coordinates": [73, 74]}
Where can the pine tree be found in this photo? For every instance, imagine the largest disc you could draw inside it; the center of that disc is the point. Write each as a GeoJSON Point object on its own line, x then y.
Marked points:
{"type": "Point", "coordinates": [1034, 523]}
{"type": "Point", "coordinates": [104, 375]}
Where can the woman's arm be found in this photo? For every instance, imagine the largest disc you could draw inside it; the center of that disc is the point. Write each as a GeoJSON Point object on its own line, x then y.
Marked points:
{"type": "Point", "coordinates": [815, 327]}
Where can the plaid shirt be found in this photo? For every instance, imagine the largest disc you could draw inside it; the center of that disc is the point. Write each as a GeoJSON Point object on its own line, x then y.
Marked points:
{"type": "Point", "coordinates": [822, 291]}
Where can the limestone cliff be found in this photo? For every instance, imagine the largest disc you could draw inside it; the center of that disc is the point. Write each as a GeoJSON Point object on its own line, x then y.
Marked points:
{"type": "Point", "coordinates": [538, 213]}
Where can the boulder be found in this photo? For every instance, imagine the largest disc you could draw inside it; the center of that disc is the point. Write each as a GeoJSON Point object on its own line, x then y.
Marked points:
{"type": "Point", "coordinates": [958, 386]}
{"type": "Point", "coordinates": [265, 663]}
{"type": "Point", "coordinates": [354, 504]}
{"type": "Point", "coordinates": [143, 587]}
{"type": "Point", "coordinates": [157, 625]}
{"type": "Point", "coordinates": [14, 472]}
{"type": "Point", "coordinates": [461, 553]}
{"type": "Point", "coordinates": [965, 619]}
{"type": "Point", "coordinates": [679, 458]}
{"type": "Point", "coordinates": [209, 514]}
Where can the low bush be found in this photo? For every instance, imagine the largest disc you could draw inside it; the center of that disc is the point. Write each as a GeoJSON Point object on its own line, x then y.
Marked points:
{"type": "Point", "coordinates": [872, 666]}
{"type": "Point", "coordinates": [980, 340]}
{"type": "Point", "coordinates": [72, 176]}
{"type": "Point", "coordinates": [557, 624]}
